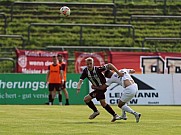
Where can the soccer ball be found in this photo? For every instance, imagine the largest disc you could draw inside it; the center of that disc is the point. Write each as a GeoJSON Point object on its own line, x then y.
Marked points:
{"type": "Point", "coordinates": [65, 11]}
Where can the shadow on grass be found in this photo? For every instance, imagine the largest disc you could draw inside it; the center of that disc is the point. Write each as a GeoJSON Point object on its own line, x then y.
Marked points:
{"type": "Point", "coordinates": [98, 122]}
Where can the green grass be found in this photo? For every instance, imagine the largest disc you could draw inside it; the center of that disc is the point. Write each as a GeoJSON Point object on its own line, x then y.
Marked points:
{"type": "Point", "coordinates": [73, 120]}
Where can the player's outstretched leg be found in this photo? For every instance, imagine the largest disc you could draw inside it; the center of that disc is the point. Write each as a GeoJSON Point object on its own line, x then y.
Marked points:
{"type": "Point", "coordinates": [111, 111]}
{"type": "Point", "coordinates": [92, 116]}
{"type": "Point", "coordinates": [115, 117]}
{"type": "Point", "coordinates": [128, 109]}
{"type": "Point", "coordinates": [123, 116]}
{"type": "Point", "coordinates": [137, 116]}
{"type": "Point", "coordinates": [93, 107]}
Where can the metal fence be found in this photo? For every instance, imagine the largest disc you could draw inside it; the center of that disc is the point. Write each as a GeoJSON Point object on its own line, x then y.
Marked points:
{"type": "Point", "coordinates": [3, 15]}
{"type": "Point", "coordinates": [98, 5]}
{"type": "Point", "coordinates": [81, 28]}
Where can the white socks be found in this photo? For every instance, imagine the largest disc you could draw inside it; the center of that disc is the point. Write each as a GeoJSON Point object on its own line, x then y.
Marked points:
{"type": "Point", "coordinates": [123, 113]}
{"type": "Point", "coordinates": [127, 109]}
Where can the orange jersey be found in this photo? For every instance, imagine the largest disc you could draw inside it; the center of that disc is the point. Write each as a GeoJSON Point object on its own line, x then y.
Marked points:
{"type": "Point", "coordinates": [64, 68]}
{"type": "Point", "coordinates": [54, 74]}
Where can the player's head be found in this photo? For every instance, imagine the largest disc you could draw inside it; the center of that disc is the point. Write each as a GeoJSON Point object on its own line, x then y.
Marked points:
{"type": "Point", "coordinates": [60, 57]}
{"type": "Point", "coordinates": [90, 63]}
{"type": "Point", "coordinates": [108, 73]}
{"type": "Point", "coordinates": [54, 59]}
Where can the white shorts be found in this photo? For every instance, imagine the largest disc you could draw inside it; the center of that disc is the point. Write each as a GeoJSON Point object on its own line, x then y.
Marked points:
{"type": "Point", "coordinates": [129, 92]}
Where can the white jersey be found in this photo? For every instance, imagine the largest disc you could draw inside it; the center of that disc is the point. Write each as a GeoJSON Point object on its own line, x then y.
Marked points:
{"type": "Point", "coordinates": [119, 80]}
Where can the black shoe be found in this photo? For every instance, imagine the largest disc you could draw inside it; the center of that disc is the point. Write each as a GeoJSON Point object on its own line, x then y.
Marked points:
{"type": "Point", "coordinates": [67, 104]}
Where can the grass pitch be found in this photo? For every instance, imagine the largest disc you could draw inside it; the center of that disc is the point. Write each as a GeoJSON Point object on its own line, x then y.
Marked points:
{"type": "Point", "coordinates": [73, 120]}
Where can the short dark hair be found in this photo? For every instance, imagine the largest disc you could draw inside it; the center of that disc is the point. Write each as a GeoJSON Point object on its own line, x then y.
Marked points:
{"type": "Point", "coordinates": [107, 72]}
{"type": "Point", "coordinates": [59, 55]}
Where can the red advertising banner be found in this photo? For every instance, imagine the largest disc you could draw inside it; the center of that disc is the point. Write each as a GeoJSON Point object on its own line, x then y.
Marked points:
{"type": "Point", "coordinates": [29, 61]}
{"type": "Point", "coordinates": [99, 60]}
{"type": "Point", "coordinates": [144, 62]}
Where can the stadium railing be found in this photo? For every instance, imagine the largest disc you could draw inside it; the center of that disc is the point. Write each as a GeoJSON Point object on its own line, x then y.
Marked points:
{"type": "Point", "coordinates": [15, 36]}
{"type": "Point", "coordinates": [63, 4]}
{"type": "Point", "coordinates": [146, 39]}
{"type": "Point", "coordinates": [81, 28]}
{"type": "Point", "coordinates": [13, 67]}
{"type": "Point", "coordinates": [63, 48]}
{"type": "Point", "coordinates": [90, 49]}
{"type": "Point", "coordinates": [5, 21]}
{"type": "Point", "coordinates": [152, 17]}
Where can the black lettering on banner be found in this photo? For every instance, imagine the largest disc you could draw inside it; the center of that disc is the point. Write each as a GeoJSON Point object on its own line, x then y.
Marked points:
{"type": "Point", "coordinates": [156, 102]}
{"type": "Point", "coordinates": [114, 101]}
{"type": "Point", "coordinates": [147, 95]}
{"type": "Point", "coordinates": [114, 95]}
{"type": "Point", "coordinates": [134, 101]}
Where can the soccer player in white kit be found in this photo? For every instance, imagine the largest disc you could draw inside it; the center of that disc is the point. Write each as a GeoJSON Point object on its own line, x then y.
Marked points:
{"type": "Point", "coordinates": [130, 90]}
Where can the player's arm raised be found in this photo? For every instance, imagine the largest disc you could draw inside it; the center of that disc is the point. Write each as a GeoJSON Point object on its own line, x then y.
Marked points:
{"type": "Point", "coordinates": [131, 71]}
{"type": "Point", "coordinates": [112, 67]}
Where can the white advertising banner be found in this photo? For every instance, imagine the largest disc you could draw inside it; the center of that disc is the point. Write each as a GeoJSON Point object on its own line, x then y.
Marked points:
{"type": "Point", "coordinates": [154, 89]}
{"type": "Point", "coordinates": [177, 89]}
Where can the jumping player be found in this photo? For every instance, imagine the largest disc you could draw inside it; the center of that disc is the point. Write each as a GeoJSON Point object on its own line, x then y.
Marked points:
{"type": "Point", "coordinates": [130, 89]}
